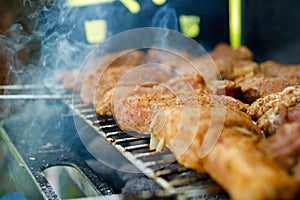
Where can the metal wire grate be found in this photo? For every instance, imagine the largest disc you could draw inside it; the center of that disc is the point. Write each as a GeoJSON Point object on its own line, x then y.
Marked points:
{"type": "Point", "coordinates": [159, 166]}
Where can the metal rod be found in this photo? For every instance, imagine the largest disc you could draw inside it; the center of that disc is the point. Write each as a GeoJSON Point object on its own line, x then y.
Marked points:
{"type": "Point", "coordinates": [170, 171]}
{"type": "Point", "coordinates": [101, 121]}
{"type": "Point", "coordinates": [130, 139]}
{"type": "Point", "coordinates": [185, 181]}
{"type": "Point", "coordinates": [114, 133]}
{"type": "Point", "coordinates": [21, 87]}
{"type": "Point", "coordinates": [135, 147]}
{"type": "Point", "coordinates": [108, 126]}
{"type": "Point", "coordinates": [158, 162]}
{"type": "Point", "coordinates": [88, 110]}
{"type": "Point", "coordinates": [33, 96]}
{"type": "Point", "coordinates": [90, 116]}
{"type": "Point", "coordinates": [151, 153]}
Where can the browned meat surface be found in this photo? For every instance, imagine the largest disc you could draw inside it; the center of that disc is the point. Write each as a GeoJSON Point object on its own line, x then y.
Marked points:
{"type": "Point", "coordinates": [256, 86]}
{"type": "Point", "coordinates": [278, 115]}
{"type": "Point", "coordinates": [174, 86]}
{"type": "Point", "coordinates": [233, 63]}
{"type": "Point", "coordinates": [110, 68]}
{"type": "Point", "coordinates": [103, 73]}
{"type": "Point", "coordinates": [273, 110]}
{"type": "Point", "coordinates": [134, 110]}
{"type": "Point", "coordinates": [225, 52]}
{"type": "Point", "coordinates": [128, 57]}
{"type": "Point", "coordinates": [183, 63]}
{"type": "Point", "coordinates": [125, 57]}
{"type": "Point", "coordinates": [289, 96]}
{"type": "Point", "coordinates": [225, 87]}
{"type": "Point", "coordinates": [272, 68]}
{"type": "Point", "coordinates": [180, 107]}
{"type": "Point", "coordinates": [97, 84]}
{"type": "Point", "coordinates": [235, 161]}
{"type": "Point", "coordinates": [177, 60]}
{"type": "Point", "coordinates": [192, 85]}
{"type": "Point", "coordinates": [284, 147]}
{"type": "Point", "coordinates": [135, 107]}
{"type": "Point", "coordinates": [135, 113]}
{"type": "Point", "coordinates": [245, 172]}
{"type": "Point", "coordinates": [104, 105]}
{"type": "Point", "coordinates": [230, 102]}
{"type": "Point", "coordinates": [293, 113]}
{"type": "Point", "coordinates": [239, 69]}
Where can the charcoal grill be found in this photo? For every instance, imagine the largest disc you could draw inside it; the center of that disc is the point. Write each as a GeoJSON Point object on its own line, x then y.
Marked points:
{"type": "Point", "coordinates": [49, 145]}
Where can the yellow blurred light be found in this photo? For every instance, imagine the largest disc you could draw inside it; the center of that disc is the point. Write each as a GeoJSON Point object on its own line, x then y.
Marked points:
{"type": "Point", "coordinates": [193, 31]}
{"type": "Point", "coordinates": [159, 2]}
{"type": "Point", "coordinates": [190, 25]}
{"type": "Point", "coordinates": [132, 5]}
{"type": "Point", "coordinates": [80, 3]}
{"type": "Point", "coordinates": [95, 31]}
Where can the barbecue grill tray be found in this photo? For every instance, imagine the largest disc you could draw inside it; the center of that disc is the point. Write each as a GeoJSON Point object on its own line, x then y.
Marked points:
{"type": "Point", "coordinates": [171, 180]}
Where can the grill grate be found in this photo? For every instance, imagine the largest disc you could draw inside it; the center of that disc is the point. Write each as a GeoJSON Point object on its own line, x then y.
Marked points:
{"type": "Point", "coordinates": [158, 166]}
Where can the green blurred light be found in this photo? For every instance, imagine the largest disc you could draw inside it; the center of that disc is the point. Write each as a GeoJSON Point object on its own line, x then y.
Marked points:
{"type": "Point", "coordinates": [235, 22]}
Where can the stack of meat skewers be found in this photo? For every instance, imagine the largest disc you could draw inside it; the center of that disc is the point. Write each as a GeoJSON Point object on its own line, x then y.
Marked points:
{"type": "Point", "coordinates": [239, 122]}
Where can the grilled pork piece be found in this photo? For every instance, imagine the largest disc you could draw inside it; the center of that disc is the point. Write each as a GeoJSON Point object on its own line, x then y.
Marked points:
{"type": "Point", "coordinates": [284, 147]}
{"type": "Point", "coordinates": [134, 108]}
{"type": "Point", "coordinates": [176, 60]}
{"type": "Point", "coordinates": [230, 102]}
{"type": "Point", "coordinates": [73, 80]}
{"type": "Point", "coordinates": [225, 87]}
{"type": "Point", "coordinates": [183, 63]}
{"type": "Point", "coordinates": [109, 70]}
{"type": "Point", "coordinates": [271, 121]}
{"type": "Point", "coordinates": [134, 80]}
{"type": "Point", "coordinates": [191, 85]}
{"type": "Point", "coordinates": [256, 86]}
{"type": "Point", "coordinates": [233, 63]}
{"type": "Point", "coordinates": [135, 113]}
{"type": "Point", "coordinates": [273, 110]}
{"type": "Point", "coordinates": [227, 63]}
{"type": "Point", "coordinates": [97, 84]}
{"type": "Point", "coordinates": [235, 162]}
{"type": "Point", "coordinates": [283, 121]}
{"type": "Point", "coordinates": [272, 68]}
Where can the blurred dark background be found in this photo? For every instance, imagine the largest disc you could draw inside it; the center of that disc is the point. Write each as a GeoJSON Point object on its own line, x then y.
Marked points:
{"type": "Point", "coordinates": [271, 29]}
